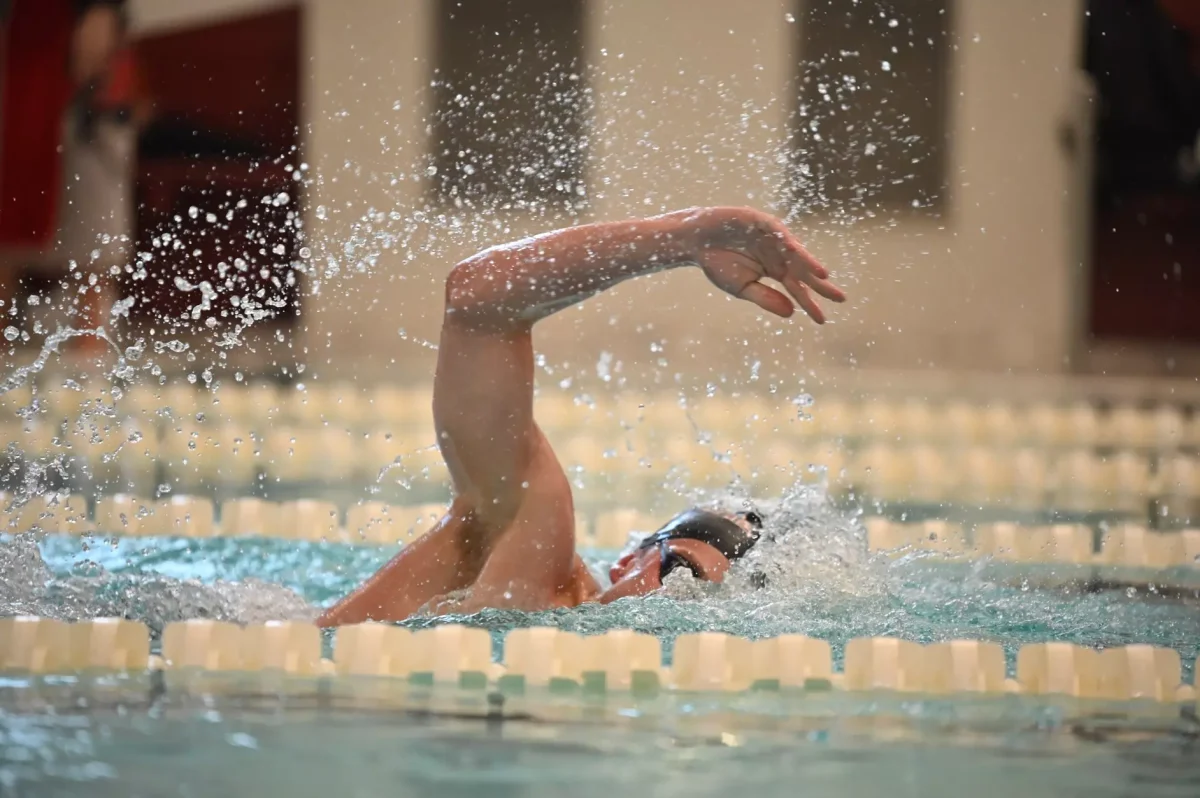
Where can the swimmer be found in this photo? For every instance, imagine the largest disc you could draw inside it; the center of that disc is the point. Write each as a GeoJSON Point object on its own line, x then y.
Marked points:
{"type": "Point", "coordinates": [507, 540]}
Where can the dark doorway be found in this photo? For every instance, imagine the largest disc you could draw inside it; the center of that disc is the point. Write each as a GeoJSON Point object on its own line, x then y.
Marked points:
{"type": "Point", "coordinates": [870, 128]}
{"type": "Point", "coordinates": [511, 102]}
{"type": "Point", "coordinates": [1144, 57]}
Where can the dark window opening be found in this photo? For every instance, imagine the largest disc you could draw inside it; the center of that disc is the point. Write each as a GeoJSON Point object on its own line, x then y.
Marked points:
{"type": "Point", "coordinates": [870, 129]}
{"type": "Point", "coordinates": [511, 102]}
{"type": "Point", "coordinates": [1144, 61]}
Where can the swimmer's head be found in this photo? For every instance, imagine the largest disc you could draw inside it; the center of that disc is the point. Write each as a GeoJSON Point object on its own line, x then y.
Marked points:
{"type": "Point", "coordinates": [696, 534]}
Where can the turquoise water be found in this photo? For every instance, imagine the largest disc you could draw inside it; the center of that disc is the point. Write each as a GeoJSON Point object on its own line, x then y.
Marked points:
{"type": "Point", "coordinates": [73, 737]}
{"type": "Point", "coordinates": [163, 580]}
{"type": "Point", "coordinates": [102, 741]}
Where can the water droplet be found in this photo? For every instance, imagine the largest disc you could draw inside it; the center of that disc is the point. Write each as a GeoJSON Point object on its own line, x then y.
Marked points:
{"type": "Point", "coordinates": [887, 66]}
{"type": "Point", "coordinates": [12, 333]}
{"type": "Point", "coordinates": [789, 17]}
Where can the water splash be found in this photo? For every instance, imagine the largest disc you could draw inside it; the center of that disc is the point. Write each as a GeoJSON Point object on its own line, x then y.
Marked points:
{"type": "Point", "coordinates": [29, 587]}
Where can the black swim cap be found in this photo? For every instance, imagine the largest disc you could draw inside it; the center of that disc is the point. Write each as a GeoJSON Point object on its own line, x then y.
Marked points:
{"type": "Point", "coordinates": [723, 534]}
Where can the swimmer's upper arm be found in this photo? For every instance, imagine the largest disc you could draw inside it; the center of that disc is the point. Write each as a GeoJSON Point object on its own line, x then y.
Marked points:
{"type": "Point", "coordinates": [483, 389]}
{"type": "Point", "coordinates": [501, 464]}
{"type": "Point", "coordinates": [530, 555]}
{"type": "Point", "coordinates": [483, 413]}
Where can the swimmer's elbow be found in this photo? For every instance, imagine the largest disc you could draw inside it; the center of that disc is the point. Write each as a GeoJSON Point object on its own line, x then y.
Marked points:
{"type": "Point", "coordinates": [460, 288]}
{"type": "Point", "coordinates": [470, 292]}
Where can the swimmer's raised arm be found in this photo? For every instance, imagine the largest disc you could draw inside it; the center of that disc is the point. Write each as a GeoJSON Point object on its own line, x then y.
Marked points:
{"type": "Point", "coordinates": [501, 464]}
{"type": "Point", "coordinates": [515, 285]}
{"type": "Point", "coordinates": [508, 539]}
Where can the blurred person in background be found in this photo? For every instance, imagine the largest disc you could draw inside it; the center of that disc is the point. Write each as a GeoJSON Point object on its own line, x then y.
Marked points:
{"type": "Point", "coordinates": [72, 103]}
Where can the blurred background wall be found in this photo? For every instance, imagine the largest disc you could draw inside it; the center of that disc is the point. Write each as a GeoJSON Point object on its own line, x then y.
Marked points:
{"type": "Point", "coordinates": [983, 281]}
{"type": "Point", "coordinates": [947, 182]}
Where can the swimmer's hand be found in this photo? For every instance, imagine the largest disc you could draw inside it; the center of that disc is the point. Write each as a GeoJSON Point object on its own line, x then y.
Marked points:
{"type": "Point", "coordinates": [459, 602]}
{"type": "Point", "coordinates": [453, 603]}
{"type": "Point", "coordinates": [738, 247]}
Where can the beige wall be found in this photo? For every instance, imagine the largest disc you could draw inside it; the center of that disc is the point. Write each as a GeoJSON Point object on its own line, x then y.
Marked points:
{"type": "Point", "coordinates": [690, 108]}
{"type": "Point", "coordinates": [148, 16]}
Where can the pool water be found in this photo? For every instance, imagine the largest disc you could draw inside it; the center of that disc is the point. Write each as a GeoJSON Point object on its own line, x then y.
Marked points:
{"type": "Point", "coordinates": [273, 743]}
{"type": "Point", "coordinates": [73, 738]}
{"type": "Point", "coordinates": [819, 582]}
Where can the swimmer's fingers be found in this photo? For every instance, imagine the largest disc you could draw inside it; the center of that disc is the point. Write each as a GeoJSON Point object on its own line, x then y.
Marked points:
{"type": "Point", "coordinates": [768, 299]}
{"type": "Point", "coordinates": [803, 266]}
{"type": "Point", "coordinates": [826, 289]}
{"type": "Point", "coordinates": [785, 256]}
{"type": "Point", "coordinates": [793, 254]}
{"type": "Point", "coordinates": [804, 298]}
{"type": "Point", "coordinates": [800, 259]}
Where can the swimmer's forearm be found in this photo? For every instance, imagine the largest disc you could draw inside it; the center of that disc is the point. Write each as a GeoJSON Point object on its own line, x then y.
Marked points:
{"type": "Point", "coordinates": [522, 282]}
